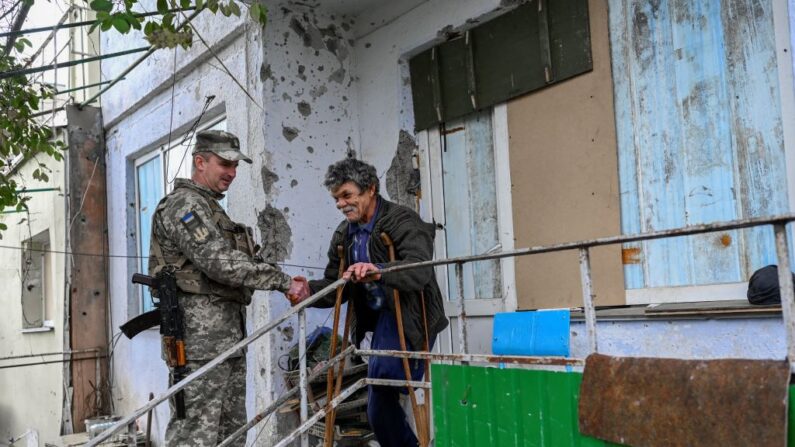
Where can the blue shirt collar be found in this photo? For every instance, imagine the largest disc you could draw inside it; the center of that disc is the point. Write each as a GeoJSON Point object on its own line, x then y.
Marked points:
{"type": "Point", "coordinates": [368, 227]}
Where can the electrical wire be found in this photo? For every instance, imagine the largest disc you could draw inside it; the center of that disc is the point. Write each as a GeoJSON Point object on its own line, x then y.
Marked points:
{"type": "Point", "coordinates": [99, 255]}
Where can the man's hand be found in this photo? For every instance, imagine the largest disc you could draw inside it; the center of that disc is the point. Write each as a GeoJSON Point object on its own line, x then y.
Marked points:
{"type": "Point", "coordinates": [359, 272]}
{"type": "Point", "coordinates": [299, 290]}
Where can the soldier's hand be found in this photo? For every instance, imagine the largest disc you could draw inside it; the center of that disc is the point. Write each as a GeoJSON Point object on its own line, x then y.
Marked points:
{"type": "Point", "coordinates": [359, 272]}
{"type": "Point", "coordinates": [299, 290]}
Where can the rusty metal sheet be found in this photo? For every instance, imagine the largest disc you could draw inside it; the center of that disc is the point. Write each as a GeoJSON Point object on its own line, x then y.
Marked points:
{"type": "Point", "coordinates": [671, 402]}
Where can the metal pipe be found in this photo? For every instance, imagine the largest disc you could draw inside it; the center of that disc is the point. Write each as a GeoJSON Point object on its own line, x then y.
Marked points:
{"type": "Point", "coordinates": [302, 385]}
{"type": "Point", "coordinates": [27, 191]}
{"type": "Point", "coordinates": [785, 289]}
{"type": "Point", "coordinates": [27, 71]}
{"type": "Point", "coordinates": [135, 64]}
{"type": "Point", "coordinates": [397, 383]}
{"type": "Point", "coordinates": [284, 398]}
{"type": "Point", "coordinates": [60, 25]}
{"type": "Point", "coordinates": [83, 87]}
{"type": "Point", "coordinates": [612, 240]}
{"type": "Point", "coordinates": [19, 365]}
{"type": "Point", "coordinates": [25, 356]}
{"type": "Point", "coordinates": [462, 315]}
{"type": "Point", "coordinates": [215, 362]}
{"type": "Point", "coordinates": [474, 358]}
{"type": "Point", "coordinates": [587, 298]}
{"type": "Point", "coordinates": [50, 37]}
{"type": "Point", "coordinates": [359, 384]}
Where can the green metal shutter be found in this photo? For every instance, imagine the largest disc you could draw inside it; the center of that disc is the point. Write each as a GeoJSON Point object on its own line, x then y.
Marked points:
{"type": "Point", "coordinates": [535, 45]}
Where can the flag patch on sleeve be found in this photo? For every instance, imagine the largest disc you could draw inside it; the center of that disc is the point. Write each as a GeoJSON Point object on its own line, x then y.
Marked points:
{"type": "Point", "coordinates": [195, 227]}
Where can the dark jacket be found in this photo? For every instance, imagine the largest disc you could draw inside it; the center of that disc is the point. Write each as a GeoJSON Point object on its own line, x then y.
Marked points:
{"type": "Point", "coordinates": [413, 240]}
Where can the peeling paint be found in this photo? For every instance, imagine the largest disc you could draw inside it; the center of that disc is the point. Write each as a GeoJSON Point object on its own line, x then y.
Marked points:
{"type": "Point", "coordinates": [265, 72]}
{"type": "Point", "coordinates": [268, 179]}
{"type": "Point", "coordinates": [275, 234]}
{"type": "Point", "coordinates": [350, 151]}
{"type": "Point", "coordinates": [402, 179]}
{"type": "Point", "coordinates": [290, 132]}
{"type": "Point", "coordinates": [338, 76]}
{"type": "Point", "coordinates": [318, 91]}
{"type": "Point", "coordinates": [304, 108]}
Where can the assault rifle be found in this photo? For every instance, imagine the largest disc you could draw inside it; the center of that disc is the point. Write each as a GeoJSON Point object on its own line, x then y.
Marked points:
{"type": "Point", "coordinates": [169, 316]}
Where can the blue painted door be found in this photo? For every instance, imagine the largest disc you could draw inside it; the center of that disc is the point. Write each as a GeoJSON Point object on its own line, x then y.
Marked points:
{"type": "Point", "coordinates": [699, 135]}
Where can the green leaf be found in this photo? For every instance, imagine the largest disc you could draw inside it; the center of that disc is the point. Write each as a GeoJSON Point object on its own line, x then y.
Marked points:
{"type": "Point", "coordinates": [121, 24]}
{"type": "Point", "coordinates": [33, 100]}
{"type": "Point", "coordinates": [199, 4]}
{"type": "Point", "coordinates": [106, 25]}
{"type": "Point", "coordinates": [133, 20]}
{"type": "Point", "coordinates": [149, 28]}
{"type": "Point", "coordinates": [162, 6]}
{"type": "Point", "coordinates": [103, 15]}
{"type": "Point", "coordinates": [185, 4]}
{"type": "Point", "coordinates": [233, 8]}
{"type": "Point", "coordinates": [253, 11]}
{"type": "Point", "coordinates": [94, 26]}
{"type": "Point", "coordinates": [101, 5]}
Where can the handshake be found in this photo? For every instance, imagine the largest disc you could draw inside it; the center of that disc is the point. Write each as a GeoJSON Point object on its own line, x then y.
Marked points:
{"type": "Point", "coordinates": [360, 272]}
{"type": "Point", "coordinates": [299, 290]}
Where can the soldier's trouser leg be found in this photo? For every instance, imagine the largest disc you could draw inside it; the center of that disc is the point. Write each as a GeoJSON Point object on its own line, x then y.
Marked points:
{"type": "Point", "coordinates": [205, 405]}
{"type": "Point", "coordinates": [233, 415]}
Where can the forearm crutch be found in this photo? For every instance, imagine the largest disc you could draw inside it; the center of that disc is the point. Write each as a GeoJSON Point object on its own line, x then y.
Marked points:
{"type": "Point", "coordinates": [419, 416]}
{"type": "Point", "coordinates": [328, 434]}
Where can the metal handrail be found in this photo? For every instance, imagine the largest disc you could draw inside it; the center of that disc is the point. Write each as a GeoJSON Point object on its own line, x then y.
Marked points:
{"type": "Point", "coordinates": [215, 362]}
{"type": "Point", "coordinates": [785, 280]}
{"type": "Point", "coordinates": [611, 240]}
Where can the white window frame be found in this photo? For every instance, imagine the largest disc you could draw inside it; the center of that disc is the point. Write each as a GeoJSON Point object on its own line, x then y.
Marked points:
{"type": "Point", "coordinates": [160, 151]}
{"type": "Point", "coordinates": [432, 209]}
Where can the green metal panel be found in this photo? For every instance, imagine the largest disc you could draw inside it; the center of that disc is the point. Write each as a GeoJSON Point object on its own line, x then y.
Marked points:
{"type": "Point", "coordinates": [482, 406]}
{"type": "Point", "coordinates": [518, 52]}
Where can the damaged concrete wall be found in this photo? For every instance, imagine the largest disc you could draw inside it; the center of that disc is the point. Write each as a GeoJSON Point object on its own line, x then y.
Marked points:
{"type": "Point", "coordinates": [309, 123]}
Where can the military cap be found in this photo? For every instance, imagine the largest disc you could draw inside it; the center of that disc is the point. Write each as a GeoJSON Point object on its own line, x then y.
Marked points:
{"type": "Point", "coordinates": [220, 143]}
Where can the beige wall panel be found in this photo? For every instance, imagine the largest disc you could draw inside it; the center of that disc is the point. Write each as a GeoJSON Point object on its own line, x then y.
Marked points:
{"type": "Point", "coordinates": [564, 170]}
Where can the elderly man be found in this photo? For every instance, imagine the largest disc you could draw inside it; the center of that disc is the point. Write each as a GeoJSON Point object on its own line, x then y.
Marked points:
{"type": "Point", "coordinates": [354, 186]}
{"type": "Point", "coordinates": [216, 273]}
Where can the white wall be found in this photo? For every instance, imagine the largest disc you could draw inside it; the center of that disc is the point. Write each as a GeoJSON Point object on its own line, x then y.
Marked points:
{"type": "Point", "coordinates": [31, 397]}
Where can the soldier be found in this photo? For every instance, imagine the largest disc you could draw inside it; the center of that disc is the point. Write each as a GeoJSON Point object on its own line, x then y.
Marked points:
{"type": "Point", "coordinates": [216, 274]}
{"type": "Point", "coordinates": [354, 187]}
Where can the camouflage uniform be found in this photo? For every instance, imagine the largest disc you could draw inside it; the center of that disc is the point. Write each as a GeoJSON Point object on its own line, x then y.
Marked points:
{"type": "Point", "coordinates": [216, 276]}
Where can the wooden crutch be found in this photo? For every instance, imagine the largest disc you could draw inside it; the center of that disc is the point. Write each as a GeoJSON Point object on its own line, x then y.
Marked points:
{"type": "Point", "coordinates": [328, 434]}
{"type": "Point", "coordinates": [419, 415]}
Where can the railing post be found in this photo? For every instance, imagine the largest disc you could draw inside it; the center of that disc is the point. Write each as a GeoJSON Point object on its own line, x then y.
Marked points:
{"type": "Point", "coordinates": [587, 298]}
{"type": "Point", "coordinates": [785, 287]}
{"type": "Point", "coordinates": [462, 316]}
{"type": "Point", "coordinates": [132, 440]}
{"type": "Point", "coordinates": [302, 372]}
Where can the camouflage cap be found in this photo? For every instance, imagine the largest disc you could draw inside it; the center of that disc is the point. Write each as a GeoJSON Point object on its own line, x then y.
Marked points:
{"type": "Point", "coordinates": [220, 143]}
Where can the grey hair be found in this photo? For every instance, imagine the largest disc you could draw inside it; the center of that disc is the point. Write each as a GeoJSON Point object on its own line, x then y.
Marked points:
{"type": "Point", "coordinates": [351, 170]}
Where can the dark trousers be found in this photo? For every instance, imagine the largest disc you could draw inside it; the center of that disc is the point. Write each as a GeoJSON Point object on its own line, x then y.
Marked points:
{"type": "Point", "coordinates": [386, 416]}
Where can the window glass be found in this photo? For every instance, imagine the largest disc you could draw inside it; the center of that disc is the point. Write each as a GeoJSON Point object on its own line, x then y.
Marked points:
{"type": "Point", "coordinates": [154, 178]}
{"type": "Point", "coordinates": [470, 203]}
{"type": "Point", "coordinates": [149, 176]}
